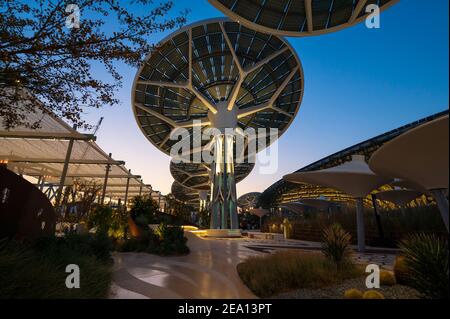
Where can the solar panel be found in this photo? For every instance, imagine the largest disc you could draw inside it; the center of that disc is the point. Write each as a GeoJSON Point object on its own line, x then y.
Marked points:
{"type": "Point", "coordinates": [298, 17]}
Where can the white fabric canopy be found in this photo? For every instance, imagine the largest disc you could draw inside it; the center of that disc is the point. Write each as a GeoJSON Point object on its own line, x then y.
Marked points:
{"type": "Point", "coordinates": [41, 153]}
{"type": "Point", "coordinates": [354, 178]}
{"type": "Point", "coordinates": [420, 155]}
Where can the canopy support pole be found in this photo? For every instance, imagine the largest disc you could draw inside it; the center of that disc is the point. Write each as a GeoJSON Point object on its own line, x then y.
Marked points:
{"type": "Point", "coordinates": [360, 225]}
{"type": "Point", "coordinates": [39, 181]}
{"type": "Point", "coordinates": [64, 171]}
{"type": "Point", "coordinates": [42, 184]}
{"type": "Point", "coordinates": [442, 202]}
{"type": "Point", "coordinates": [105, 183]}
{"type": "Point", "coordinates": [126, 191]}
{"type": "Point", "coordinates": [377, 216]}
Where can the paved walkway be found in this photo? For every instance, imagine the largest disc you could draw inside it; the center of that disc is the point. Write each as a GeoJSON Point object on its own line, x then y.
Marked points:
{"type": "Point", "coordinates": [209, 271]}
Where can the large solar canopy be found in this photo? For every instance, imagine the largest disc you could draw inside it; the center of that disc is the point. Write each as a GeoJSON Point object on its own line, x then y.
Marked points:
{"type": "Point", "coordinates": [41, 153]}
{"type": "Point", "coordinates": [202, 65]}
{"type": "Point", "coordinates": [298, 17]}
{"type": "Point", "coordinates": [196, 176]}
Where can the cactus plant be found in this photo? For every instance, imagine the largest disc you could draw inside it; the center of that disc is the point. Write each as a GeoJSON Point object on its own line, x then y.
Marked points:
{"type": "Point", "coordinates": [401, 270]}
{"type": "Point", "coordinates": [387, 278]}
{"type": "Point", "coordinates": [373, 294]}
{"type": "Point", "coordinates": [353, 294]}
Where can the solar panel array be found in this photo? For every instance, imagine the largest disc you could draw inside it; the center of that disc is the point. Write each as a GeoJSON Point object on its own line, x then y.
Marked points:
{"type": "Point", "coordinates": [160, 109]}
{"type": "Point", "coordinates": [298, 17]}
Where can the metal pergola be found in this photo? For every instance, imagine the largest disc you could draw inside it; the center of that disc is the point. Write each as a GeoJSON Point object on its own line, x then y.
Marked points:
{"type": "Point", "coordinates": [56, 156]}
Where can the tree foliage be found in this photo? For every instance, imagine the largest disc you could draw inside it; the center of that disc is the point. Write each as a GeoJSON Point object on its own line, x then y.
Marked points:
{"type": "Point", "coordinates": [178, 209]}
{"type": "Point", "coordinates": [101, 218]}
{"type": "Point", "coordinates": [143, 210]}
{"type": "Point", "coordinates": [43, 58]}
{"type": "Point", "coordinates": [79, 199]}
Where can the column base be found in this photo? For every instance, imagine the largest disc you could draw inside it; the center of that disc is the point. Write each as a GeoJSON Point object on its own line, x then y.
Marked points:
{"type": "Point", "coordinates": [223, 233]}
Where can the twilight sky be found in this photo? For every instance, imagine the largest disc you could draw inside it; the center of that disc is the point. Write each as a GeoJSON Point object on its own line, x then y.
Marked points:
{"type": "Point", "coordinates": [359, 83]}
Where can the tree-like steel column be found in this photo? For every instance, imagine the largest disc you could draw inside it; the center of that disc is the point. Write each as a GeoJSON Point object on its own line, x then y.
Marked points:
{"type": "Point", "coordinates": [217, 182]}
{"type": "Point", "coordinates": [223, 82]}
{"type": "Point", "coordinates": [231, 199]}
{"type": "Point", "coordinates": [223, 185]}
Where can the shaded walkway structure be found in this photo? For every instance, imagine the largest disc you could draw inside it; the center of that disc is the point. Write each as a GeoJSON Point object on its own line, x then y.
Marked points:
{"type": "Point", "coordinates": [57, 156]}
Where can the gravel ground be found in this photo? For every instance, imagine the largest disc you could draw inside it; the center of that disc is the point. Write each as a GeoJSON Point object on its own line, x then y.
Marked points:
{"type": "Point", "coordinates": [337, 291]}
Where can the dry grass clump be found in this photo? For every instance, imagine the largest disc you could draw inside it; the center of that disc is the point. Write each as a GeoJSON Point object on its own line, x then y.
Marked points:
{"type": "Point", "coordinates": [288, 270]}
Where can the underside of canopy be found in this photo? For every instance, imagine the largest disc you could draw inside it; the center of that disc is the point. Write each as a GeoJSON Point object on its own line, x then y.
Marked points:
{"type": "Point", "coordinates": [41, 153]}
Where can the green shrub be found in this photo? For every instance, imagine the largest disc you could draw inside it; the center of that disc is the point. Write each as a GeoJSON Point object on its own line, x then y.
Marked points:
{"type": "Point", "coordinates": [166, 240]}
{"type": "Point", "coordinates": [133, 245]}
{"type": "Point", "coordinates": [288, 270]}
{"type": "Point", "coordinates": [144, 243]}
{"type": "Point", "coordinates": [37, 270]}
{"type": "Point", "coordinates": [426, 258]}
{"type": "Point", "coordinates": [113, 222]}
{"type": "Point", "coordinates": [98, 246]}
{"type": "Point", "coordinates": [171, 240]}
{"type": "Point", "coordinates": [119, 224]}
{"type": "Point", "coordinates": [336, 244]}
{"type": "Point", "coordinates": [143, 210]}
{"type": "Point", "coordinates": [100, 218]}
